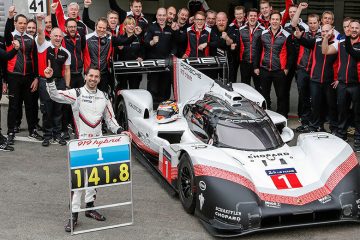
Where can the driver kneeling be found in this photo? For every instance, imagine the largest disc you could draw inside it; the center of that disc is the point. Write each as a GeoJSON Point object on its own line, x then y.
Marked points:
{"type": "Point", "coordinates": [90, 106]}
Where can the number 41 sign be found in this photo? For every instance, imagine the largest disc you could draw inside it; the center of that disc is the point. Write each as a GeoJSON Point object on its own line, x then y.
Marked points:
{"type": "Point", "coordinates": [37, 6]}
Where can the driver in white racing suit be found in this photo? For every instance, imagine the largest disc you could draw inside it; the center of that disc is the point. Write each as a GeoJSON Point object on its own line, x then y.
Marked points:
{"type": "Point", "coordinates": [90, 106]}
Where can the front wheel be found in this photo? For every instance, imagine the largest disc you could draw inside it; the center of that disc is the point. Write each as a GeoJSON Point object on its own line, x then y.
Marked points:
{"type": "Point", "coordinates": [186, 184]}
{"type": "Point", "coordinates": [121, 115]}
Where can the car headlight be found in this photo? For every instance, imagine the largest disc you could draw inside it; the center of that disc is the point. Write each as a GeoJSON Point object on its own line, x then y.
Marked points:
{"type": "Point", "coordinates": [350, 205]}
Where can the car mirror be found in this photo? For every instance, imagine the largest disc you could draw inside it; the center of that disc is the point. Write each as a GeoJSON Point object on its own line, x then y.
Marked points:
{"type": "Point", "coordinates": [287, 134]}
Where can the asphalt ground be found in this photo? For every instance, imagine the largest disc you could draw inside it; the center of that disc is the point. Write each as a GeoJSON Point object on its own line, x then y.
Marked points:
{"type": "Point", "coordinates": [34, 197]}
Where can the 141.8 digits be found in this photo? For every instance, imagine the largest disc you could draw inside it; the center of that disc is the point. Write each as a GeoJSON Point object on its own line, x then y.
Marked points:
{"type": "Point", "coordinates": [100, 175]}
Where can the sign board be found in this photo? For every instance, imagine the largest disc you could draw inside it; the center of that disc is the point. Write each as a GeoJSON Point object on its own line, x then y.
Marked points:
{"type": "Point", "coordinates": [37, 6]}
{"type": "Point", "coordinates": [97, 163]}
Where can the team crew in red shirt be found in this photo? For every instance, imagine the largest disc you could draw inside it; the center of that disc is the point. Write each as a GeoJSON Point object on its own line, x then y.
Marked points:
{"type": "Point", "coordinates": [60, 59]}
{"type": "Point", "coordinates": [199, 38]}
{"type": "Point", "coordinates": [21, 71]}
{"type": "Point", "coordinates": [322, 78]}
{"type": "Point", "coordinates": [348, 81]}
{"type": "Point", "coordinates": [304, 63]}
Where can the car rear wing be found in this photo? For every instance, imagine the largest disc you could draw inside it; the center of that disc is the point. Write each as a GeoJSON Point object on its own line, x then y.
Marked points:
{"type": "Point", "coordinates": [163, 65]}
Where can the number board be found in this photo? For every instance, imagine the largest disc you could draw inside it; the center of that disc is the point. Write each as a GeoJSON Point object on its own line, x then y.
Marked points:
{"type": "Point", "coordinates": [37, 6]}
{"type": "Point", "coordinates": [99, 161]}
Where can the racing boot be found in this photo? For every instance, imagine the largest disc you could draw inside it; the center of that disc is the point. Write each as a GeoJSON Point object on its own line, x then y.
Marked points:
{"type": "Point", "coordinates": [68, 225]}
{"type": "Point", "coordinates": [93, 213]}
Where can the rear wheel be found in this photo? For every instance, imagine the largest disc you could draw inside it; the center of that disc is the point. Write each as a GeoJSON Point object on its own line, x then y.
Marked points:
{"type": "Point", "coordinates": [186, 184]}
{"type": "Point", "coordinates": [121, 115]}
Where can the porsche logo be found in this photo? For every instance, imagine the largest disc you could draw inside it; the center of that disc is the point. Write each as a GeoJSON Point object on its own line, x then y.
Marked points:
{"type": "Point", "coordinates": [299, 201]}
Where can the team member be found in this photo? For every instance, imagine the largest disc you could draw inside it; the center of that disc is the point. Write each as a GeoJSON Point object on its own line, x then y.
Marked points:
{"type": "Point", "coordinates": [75, 44]}
{"type": "Point", "coordinates": [233, 33]}
{"type": "Point", "coordinates": [170, 15]}
{"type": "Point", "coordinates": [21, 75]}
{"type": "Point", "coordinates": [322, 76]}
{"type": "Point", "coordinates": [222, 47]}
{"type": "Point", "coordinates": [350, 49]}
{"type": "Point", "coordinates": [248, 37]}
{"type": "Point", "coordinates": [273, 60]}
{"type": "Point", "coordinates": [31, 27]}
{"type": "Point", "coordinates": [210, 18]}
{"type": "Point", "coordinates": [135, 12]}
{"type": "Point", "coordinates": [266, 10]}
{"type": "Point", "coordinates": [182, 25]}
{"type": "Point", "coordinates": [160, 43]}
{"type": "Point", "coordinates": [346, 28]}
{"type": "Point", "coordinates": [31, 30]}
{"type": "Point", "coordinates": [88, 116]}
{"type": "Point", "coordinates": [133, 50]}
{"type": "Point", "coordinates": [200, 38]}
{"type": "Point", "coordinates": [60, 59]}
{"type": "Point", "coordinates": [304, 63]}
{"type": "Point", "coordinates": [4, 56]}
{"type": "Point", "coordinates": [348, 82]}
{"type": "Point", "coordinates": [327, 17]}
{"type": "Point", "coordinates": [292, 70]}
{"type": "Point", "coordinates": [98, 51]}
{"type": "Point", "coordinates": [48, 27]}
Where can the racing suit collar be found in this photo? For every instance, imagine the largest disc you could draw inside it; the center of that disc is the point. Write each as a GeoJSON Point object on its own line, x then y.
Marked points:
{"type": "Point", "coordinates": [90, 91]}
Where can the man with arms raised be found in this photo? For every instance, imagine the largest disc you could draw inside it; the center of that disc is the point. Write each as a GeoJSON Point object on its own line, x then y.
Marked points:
{"type": "Point", "coordinates": [88, 117]}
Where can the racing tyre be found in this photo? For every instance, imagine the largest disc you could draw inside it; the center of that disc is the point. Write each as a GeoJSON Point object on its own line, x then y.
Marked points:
{"type": "Point", "coordinates": [121, 115]}
{"type": "Point", "coordinates": [186, 184]}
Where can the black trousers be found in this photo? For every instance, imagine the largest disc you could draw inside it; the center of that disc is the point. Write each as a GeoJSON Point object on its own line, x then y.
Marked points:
{"type": "Point", "coordinates": [77, 81]}
{"type": "Point", "coordinates": [247, 72]}
{"type": "Point", "coordinates": [323, 105]}
{"type": "Point", "coordinates": [304, 104]}
{"type": "Point", "coordinates": [51, 110]}
{"type": "Point", "coordinates": [19, 88]}
{"type": "Point", "coordinates": [289, 79]}
{"type": "Point", "coordinates": [279, 80]}
{"type": "Point", "coordinates": [36, 108]}
{"type": "Point", "coordinates": [233, 66]}
{"type": "Point", "coordinates": [159, 85]}
{"type": "Point", "coordinates": [347, 94]}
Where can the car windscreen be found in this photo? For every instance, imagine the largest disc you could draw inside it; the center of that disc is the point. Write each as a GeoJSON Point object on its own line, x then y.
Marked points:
{"type": "Point", "coordinates": [256, 135]}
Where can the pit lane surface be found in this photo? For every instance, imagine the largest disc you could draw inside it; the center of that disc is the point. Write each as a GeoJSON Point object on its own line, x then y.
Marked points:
{"type": "Point", "coordinates": [34, 203]}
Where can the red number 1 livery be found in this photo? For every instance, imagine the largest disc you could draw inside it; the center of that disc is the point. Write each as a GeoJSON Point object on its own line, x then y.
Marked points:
{"type": "Point", "coordinates": [284, 178]}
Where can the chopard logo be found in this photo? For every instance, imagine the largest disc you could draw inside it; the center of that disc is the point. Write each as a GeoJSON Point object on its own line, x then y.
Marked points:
{"type": "Point", "coordinates": [268, 155]}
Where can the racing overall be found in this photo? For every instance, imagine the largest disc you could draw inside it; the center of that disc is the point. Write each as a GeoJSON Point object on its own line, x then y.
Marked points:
{"type": "Point", "coordinates": [89, 109]}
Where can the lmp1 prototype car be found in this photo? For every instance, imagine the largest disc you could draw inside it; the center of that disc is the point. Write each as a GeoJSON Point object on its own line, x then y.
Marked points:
{"type": "Point", "coordinates": [227, 158]}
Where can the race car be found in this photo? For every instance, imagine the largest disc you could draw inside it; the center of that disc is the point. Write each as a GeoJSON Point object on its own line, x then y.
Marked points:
{"type": "Point", "coordinates": [227, 156]}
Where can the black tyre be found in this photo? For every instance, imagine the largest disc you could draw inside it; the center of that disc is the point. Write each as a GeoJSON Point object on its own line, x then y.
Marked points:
{"type": "Point", "coordinates": [186, 184]}
{"type": "Point", "coordinates": [121, 115]}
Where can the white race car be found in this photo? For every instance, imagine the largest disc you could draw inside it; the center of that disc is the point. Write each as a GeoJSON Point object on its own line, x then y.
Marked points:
{"type": "Point", "coordinates": [227, 157]}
